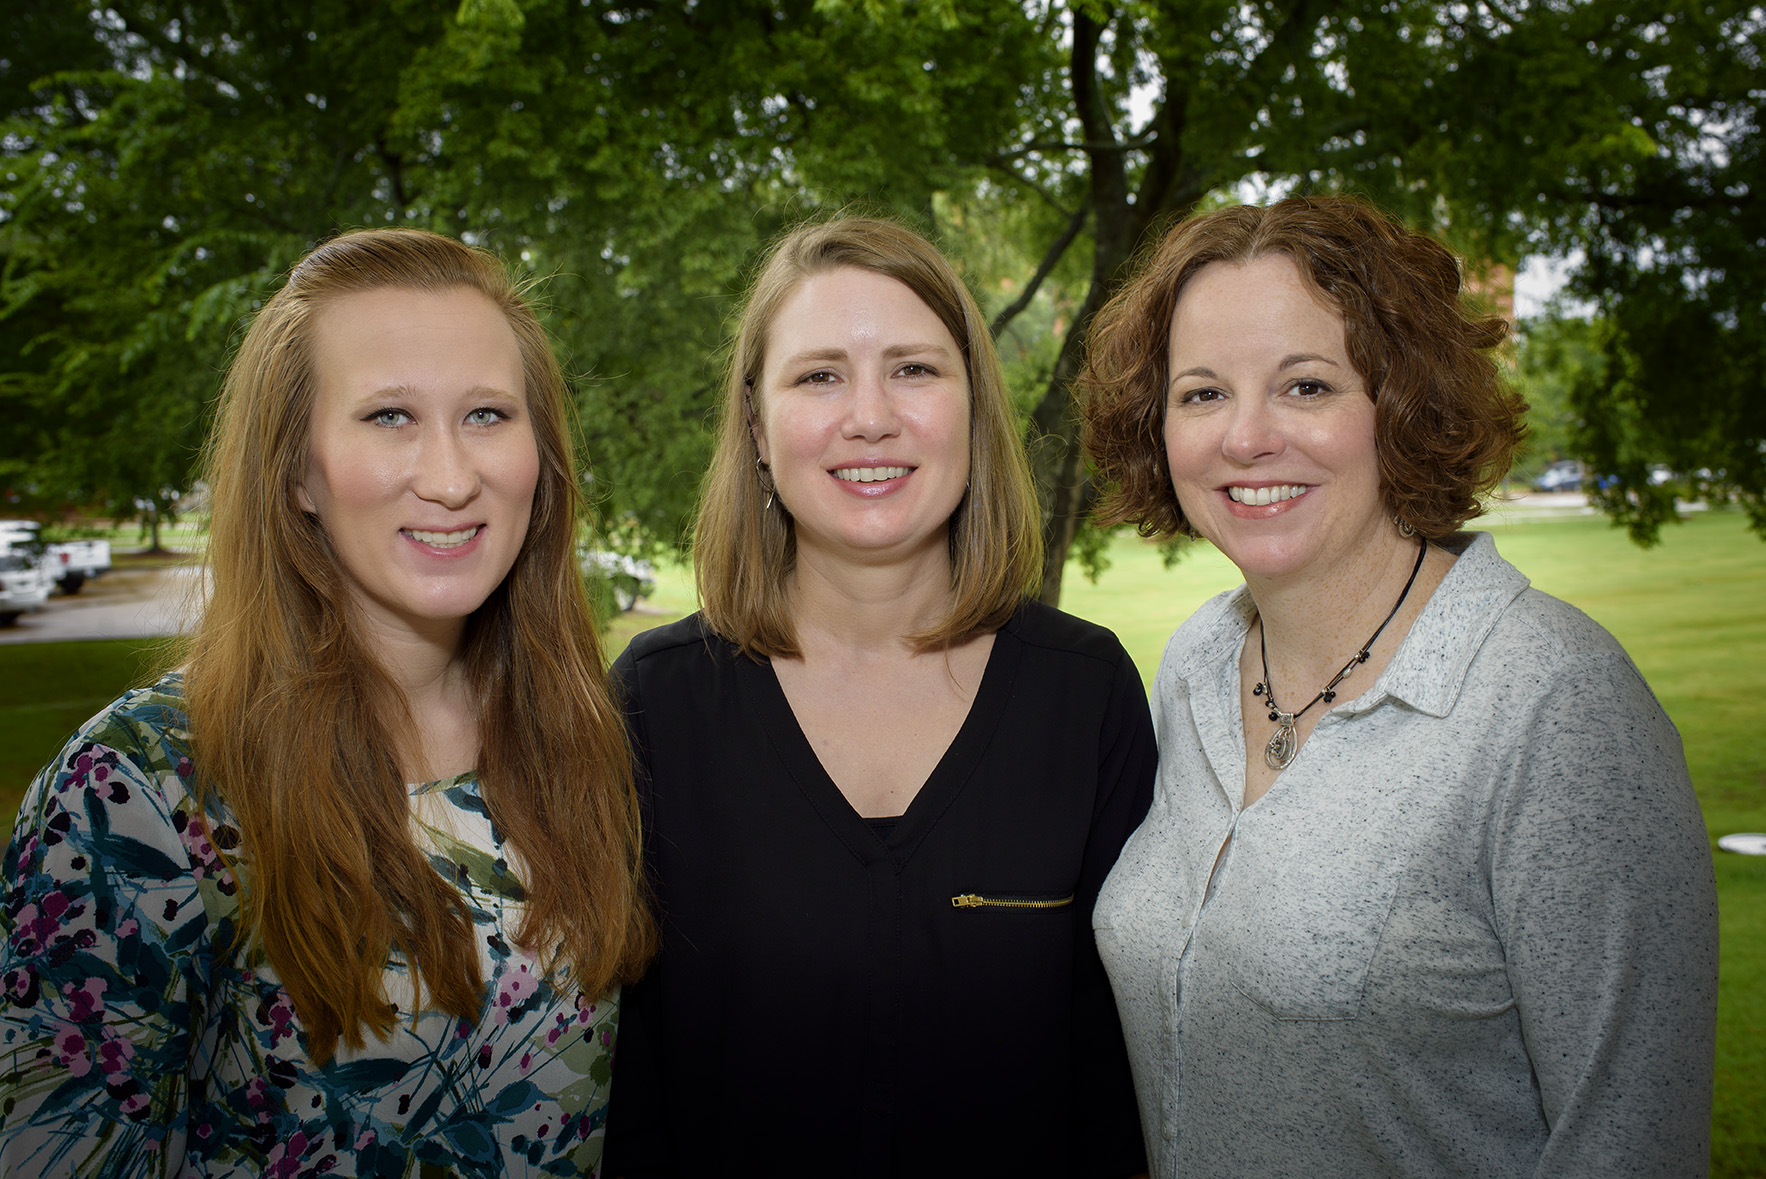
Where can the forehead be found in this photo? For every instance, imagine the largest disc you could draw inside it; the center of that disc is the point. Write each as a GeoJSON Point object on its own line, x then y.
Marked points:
{"type": "Point", "coordinates": [1257, 299]}
{"type": "Point", "coordinates": [402, 336]}
{"type": "Point", "coordinates": [852, 305]}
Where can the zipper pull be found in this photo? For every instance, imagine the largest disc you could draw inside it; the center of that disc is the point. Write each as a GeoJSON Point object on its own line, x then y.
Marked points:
{"type": "Point", "coordinates": [967, 900]}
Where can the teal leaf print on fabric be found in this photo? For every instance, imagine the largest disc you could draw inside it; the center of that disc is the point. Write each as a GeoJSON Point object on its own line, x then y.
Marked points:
{"type": "Point", "coordinates": [513, 1099]}
{"type": "Point", "coordinates": [470, 1136]}
{"type": "Point", "coordinates": [368, 1074]}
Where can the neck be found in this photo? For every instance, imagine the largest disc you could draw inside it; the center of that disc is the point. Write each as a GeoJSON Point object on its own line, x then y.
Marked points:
{"type": "Point", "coordinates": [1311, 625]}
{"type": "Point", "coordinates": [425, 658]}
{"type": "Point", "coordinates": [841, 606]}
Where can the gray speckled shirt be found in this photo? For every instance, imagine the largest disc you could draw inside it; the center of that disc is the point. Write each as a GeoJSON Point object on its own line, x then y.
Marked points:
{"type": "Point", "coordinates": [1472, 930]}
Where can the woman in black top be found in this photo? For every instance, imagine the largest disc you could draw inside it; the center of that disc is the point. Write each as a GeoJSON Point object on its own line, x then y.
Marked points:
{"type": "Point", "coordinates": [882, 787]}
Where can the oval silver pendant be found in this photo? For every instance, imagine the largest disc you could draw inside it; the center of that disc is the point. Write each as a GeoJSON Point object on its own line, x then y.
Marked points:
{"type": "Point", "coordinates": [1279, 753]}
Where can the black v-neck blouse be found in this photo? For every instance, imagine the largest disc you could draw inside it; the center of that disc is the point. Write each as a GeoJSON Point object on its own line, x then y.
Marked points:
{"type": "Point", "coordinates": [834, 999]}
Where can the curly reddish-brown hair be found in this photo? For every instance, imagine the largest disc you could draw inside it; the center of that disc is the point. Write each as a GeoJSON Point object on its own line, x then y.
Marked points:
{"type": "Point", "coordinates": [1445, 426]}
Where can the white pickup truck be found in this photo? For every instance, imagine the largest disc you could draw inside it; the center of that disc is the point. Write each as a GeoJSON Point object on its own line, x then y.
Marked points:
{"type": "Point", "coordinates": [69, 564]}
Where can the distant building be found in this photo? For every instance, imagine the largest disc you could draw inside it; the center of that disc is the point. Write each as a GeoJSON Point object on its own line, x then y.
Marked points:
{"type": "Point", "coordinates": [1493, 285]}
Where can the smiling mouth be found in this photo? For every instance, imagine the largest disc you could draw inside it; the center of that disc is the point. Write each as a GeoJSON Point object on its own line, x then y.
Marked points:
{"type": "Point", "coordinates": [443, 540]}
{"type": "Point", "coordinates": [870, 474]}
{"type": "Point", "coordinates": [1258, 496]}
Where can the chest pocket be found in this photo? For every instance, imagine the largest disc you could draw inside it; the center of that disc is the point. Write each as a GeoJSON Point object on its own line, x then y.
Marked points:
{"type": "Point", "coordinates": [1301, 910]}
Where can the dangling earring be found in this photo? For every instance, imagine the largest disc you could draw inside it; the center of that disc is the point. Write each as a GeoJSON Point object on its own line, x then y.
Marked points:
{"type": "Point", "coordinates": [760, 471]}
{"type": "Point", "coordinates": [1405, 528]}
{"type": "Point", "coordinates": [760, 468]}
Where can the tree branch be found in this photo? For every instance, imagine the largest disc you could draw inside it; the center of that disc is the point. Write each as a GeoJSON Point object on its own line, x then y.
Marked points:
{"type": "Point", "coordinates": [1109, 179]}
{"type": "Point", "coordinates": [1089, 146]}
{"type": "Point", "coordinates": [1049, 261]}
{"type": "Point", "coordinates": [1013, 174]}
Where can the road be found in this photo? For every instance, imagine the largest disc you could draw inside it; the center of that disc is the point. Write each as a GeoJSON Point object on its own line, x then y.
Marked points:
{"type": "Point", "coordinates": [122, 604]}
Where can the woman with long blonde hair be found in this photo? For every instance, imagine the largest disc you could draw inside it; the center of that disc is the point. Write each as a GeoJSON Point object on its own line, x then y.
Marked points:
{"type": "Point", "coordinates": [239, 941]}
{"type": "Point", "coordinates": [883, 786]}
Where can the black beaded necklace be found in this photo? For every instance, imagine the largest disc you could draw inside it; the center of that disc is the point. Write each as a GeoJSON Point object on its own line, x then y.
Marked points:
{"type": "Point", "coordinates": [1279, 753]}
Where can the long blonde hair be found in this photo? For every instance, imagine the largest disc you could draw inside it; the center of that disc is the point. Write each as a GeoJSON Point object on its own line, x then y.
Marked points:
{"type": "Point", "coordinates": [293, 720]}
{"type": "Point", "coordinates": [744, 548]}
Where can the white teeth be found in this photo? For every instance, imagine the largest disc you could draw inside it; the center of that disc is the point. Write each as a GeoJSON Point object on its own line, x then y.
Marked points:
{"type": "Point", "coordinates": [443, 540]}
{"type": "Point", "coordinates": [1258, 496]}
{"type": "Point", "coordinates": [870, 474]}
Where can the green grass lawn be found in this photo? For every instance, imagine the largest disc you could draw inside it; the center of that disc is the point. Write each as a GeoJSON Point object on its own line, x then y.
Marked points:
{"type": "Point", "coordinates": [1692, 612]}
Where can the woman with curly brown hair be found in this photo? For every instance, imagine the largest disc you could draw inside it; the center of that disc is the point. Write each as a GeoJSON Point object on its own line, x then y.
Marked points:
{"type": "Point", "coordinates": [352, 892]}
{"type": "Point", "coordinates": [1424, 889]}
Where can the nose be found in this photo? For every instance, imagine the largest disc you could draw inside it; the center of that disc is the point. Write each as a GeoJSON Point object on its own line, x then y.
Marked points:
{"type": "Point", "coordinates": [447, 471]}
{"type": "Point", "coordinates": [1253, 432]}
{"type": "Point", "coordinates": [871, 411]}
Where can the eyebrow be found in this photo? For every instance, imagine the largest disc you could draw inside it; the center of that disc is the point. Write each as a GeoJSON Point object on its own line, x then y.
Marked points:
{"type": "Point", "coordinates": [896, 350]}
{"type": "Point", "coordinates": [405, 392]}
{"type": "Point", "coordinates": [1289, 361]}
{"type": "Point", "coordinates": [893, 352]}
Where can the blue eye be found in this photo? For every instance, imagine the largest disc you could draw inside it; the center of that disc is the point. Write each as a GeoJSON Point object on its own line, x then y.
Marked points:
{"type": "Point", "coordinates": [485, 416]}
{"type": "Point", "coordinates": [389, 417]}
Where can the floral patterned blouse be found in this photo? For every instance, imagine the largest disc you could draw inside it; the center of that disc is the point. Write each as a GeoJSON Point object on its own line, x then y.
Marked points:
{"type": "Point", "coordinates": [135, 1040]}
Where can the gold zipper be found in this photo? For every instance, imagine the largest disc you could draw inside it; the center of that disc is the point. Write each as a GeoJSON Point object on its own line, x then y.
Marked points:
{"type": "Point", "coordinates": [970, 900]}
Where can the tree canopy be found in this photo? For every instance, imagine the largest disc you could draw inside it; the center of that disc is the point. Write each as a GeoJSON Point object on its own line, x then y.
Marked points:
{"type": "Point", "coordinates": [164, 163]}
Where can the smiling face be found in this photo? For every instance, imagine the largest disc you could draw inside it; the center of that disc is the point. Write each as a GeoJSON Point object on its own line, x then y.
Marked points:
{"type": "Point", "coordinates": [421, 462]}
{"type": "Point", "coordinates": [864, 419]}
{"type": "Point", "coordinates": [1268, 427]}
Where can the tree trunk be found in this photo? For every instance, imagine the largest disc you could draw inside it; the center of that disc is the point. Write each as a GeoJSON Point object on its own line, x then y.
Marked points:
{"type": "Point", "coordinates": [1057, 459]}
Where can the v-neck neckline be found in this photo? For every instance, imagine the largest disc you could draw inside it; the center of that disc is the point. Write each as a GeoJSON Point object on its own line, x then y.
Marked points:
{"type": "Point", "coordinates": [941, 787]}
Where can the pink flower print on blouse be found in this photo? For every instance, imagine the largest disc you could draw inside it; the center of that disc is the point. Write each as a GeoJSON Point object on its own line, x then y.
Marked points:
{"type": "Point", "coordinates": [114, 1054]}
{"type": "Point", "coordinates": [85, 1000]}
{"type": "Point", "coordinates": [514, 987]}
{"type": "Point", "coordinates": [278, 1015]}
{"type": "Point", "coordinates": [36, 925]}
{"type": "Point", "coordinates": [21, 987]}
{"type": "Point", "coordinates": [70, 1052]}
{"type": "Point", "coordinates": [283, 1161]}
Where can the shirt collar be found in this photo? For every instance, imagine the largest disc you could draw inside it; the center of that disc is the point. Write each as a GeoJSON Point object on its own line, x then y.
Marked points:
{"type": "Point", "coordinates": [1430, 666]}
{"type": "Point", "coordinates": [1429, 669]}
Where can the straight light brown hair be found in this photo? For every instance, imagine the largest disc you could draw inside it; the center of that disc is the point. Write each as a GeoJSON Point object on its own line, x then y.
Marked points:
{"type": "Point", "coordinates": [294, 724]}
{"type": "Point", "coordinates": [1445, 426]}
{"type": "Point", "coordinates": [744, 548]}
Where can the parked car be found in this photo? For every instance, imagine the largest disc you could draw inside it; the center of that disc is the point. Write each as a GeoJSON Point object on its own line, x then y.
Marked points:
{"type": "Point", "coordinates": [71, 563]}
{"type": "Point", "coordinates": [24, 584]}
{"type": "Point", "coordinates": [1563, 475]}
{"type": "Point", "coordinates": [631, 578]}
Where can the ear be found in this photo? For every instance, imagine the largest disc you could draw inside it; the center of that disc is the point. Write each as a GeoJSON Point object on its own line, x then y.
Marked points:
{"type": "Point", "coordinates": [754, 430]}
{"type": "Point", "coordinates": [303, 501]}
